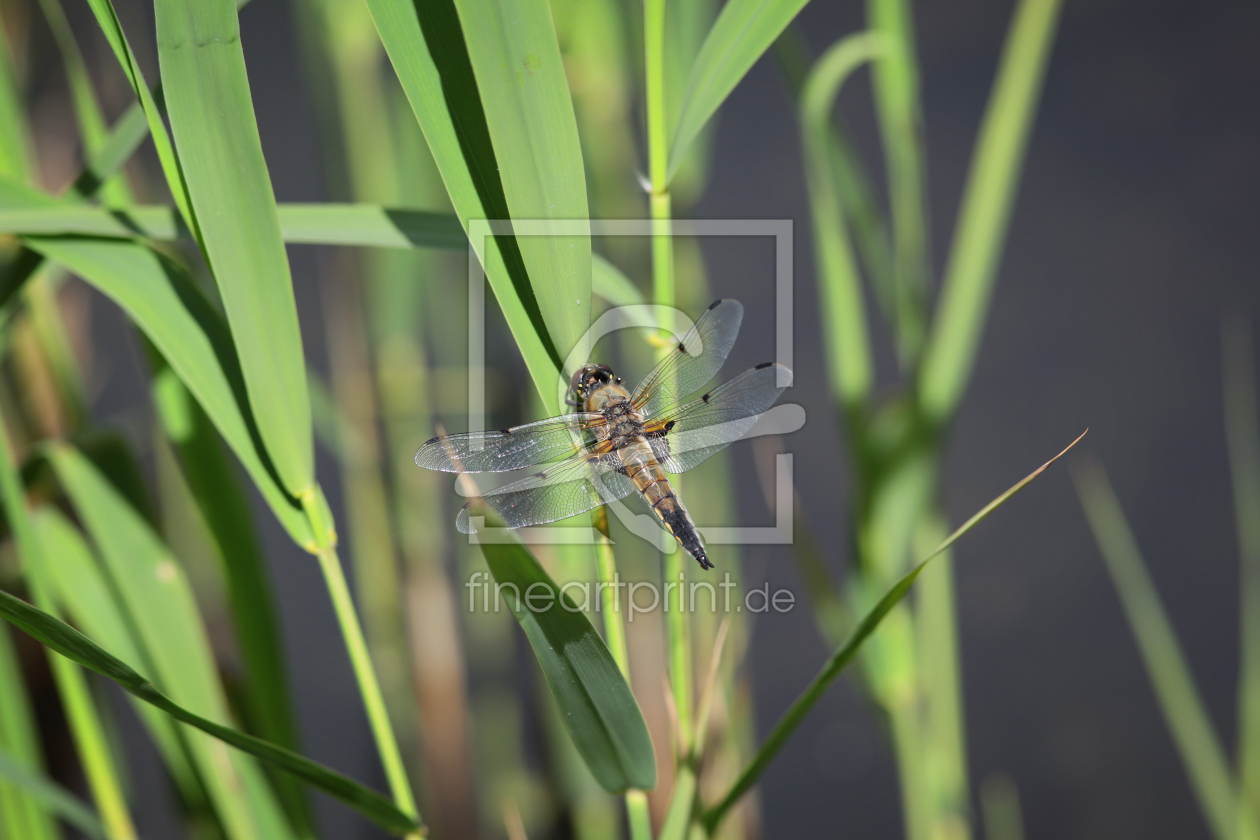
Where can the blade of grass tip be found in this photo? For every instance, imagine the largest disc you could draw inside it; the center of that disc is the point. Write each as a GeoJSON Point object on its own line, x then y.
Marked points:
{"type": "Point", "coordinates": [687, 25]}
{"type": "Point", "coordinates": [1242, 434]}
{"type": "Point", "coordinates": [845, 654]}
{"type": "Point", "coordinates": [985, 212]}
{"type": "Point", "coordinates": [107, 18]}
{"type": "Point", "coordinates": [529, 113]}
{"type": "Point", "coordinates": [1200, 749]}
{"type": "Point", "coordinates": [743, 31]}
{"type": "Point", "coordinates": [81, 712]}
{"type": "Point", "coordinates": [999, 808]}
{"type": "Point", "coordinates": [20, 815]}
{"type": "Point", "coordinates": [896, 90]}
{"type": "Point", "coordinates": [52, 796]}
{"type": "Point", "coordinates": [426, 47]}
{"type": "Point", "coordinates": [844, 311]}
{"type": "Point", "coordinates": [212, 119]}
{"type": "Point", "coordinates": [72, 644]}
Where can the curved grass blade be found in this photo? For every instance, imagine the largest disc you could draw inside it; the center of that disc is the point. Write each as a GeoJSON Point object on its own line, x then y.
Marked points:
{"type": "Point", "coordinates": [595, 702]}
{"type": "Point", "coordinates": [164, 302]}
{"type": "Point", "coordinates": [426, 47]}
{"type": "Point", "coordinates": [985, 214]}
{"type": "Point", "coordinates": [52, 796]}
{"type": "Point", "coordinates": [529, 113]}
{"type": "Point", "coordinates": [212, 118]}
{"type": "Point", "coordinates": [846, 653]}
{"type": "Point", "coordinates": [608, 282]}
{"type": "Point", "coordinates": [743, 31]}
{"type": "Point", "coordinates": [1200, 748]}
{"type": "Point", "coordinates": [72, 644]}
{"type": "Point", "coordinates": [844, 311]}
{"type": "Point", "coordinates": [20, 815]}
{"type": "Point", "coordinates": [156, 600]}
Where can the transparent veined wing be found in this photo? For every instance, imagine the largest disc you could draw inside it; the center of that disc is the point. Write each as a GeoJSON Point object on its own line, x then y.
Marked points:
{"type": "Point", "coordinates": [509, 449]}
{"type": "Point", "coordinates": [694, 361]}
{"type": "Point", "coordinates": [686, 435]}
{"type": "Point", "coordinates": [566, 489]}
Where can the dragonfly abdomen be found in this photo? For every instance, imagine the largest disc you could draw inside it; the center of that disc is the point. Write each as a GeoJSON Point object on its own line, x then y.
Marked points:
{"type": "Point", "coordinates": [650, 479]}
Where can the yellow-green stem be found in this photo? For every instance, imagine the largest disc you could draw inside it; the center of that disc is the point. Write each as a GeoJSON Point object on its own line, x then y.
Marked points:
{"type": "Point", "coordinates": [369, 687]}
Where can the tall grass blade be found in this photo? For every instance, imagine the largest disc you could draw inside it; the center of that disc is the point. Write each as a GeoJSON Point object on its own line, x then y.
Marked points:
{"type": "Point", "coordinates": [51, 795]}
{"type": "Point", "coordinates": [156, 599]}
{"type": "Point", "coordinates": [212, 118]}
{"type": "Point", "coordinates": [595, 702]}
{"type": "Point", "coordinates": [985, 213]}
{"type": "Point", "coordinates": [844, 311]}
{"type": "Point", "coordinates": [529, 112]}
{"type": "Point", "coordinates": [162, 300]}
{"type": "Point", "coordinates": [72, 644]}
{"type": "Point", "coordinates": [1200, 749]}
{"type": "Point", "coordinates": [15, 153]}
{"type": "Point", "coordinates": [846, 653]}
{"type": "Point", "coordinates": [743, 31]}
{"type": "Point", "coordinates": [1242, 433]}
{"type": "Point", "coordinates": [896, 88]}
{"type": "Point", "coordinates": [426, 46]}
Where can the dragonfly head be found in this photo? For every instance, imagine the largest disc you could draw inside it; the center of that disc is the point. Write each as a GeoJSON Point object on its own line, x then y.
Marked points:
{"type": "Point", "coordinates": [587, 379]}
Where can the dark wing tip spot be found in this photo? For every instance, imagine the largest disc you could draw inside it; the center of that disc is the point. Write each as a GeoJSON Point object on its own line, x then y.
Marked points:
{"type": "Point", "coordinates": [715, 303]}
{"type": "Point", "coordinates": [505, 431]}
{"type": "Point", "coordinates": [763, 365]}
{"type": "Point", "coordinates": [432, 441]}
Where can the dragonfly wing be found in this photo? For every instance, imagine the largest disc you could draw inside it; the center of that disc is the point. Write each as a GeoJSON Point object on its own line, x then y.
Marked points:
{"type": "Point", "coordinates": [685, 436]}
{"type": "Point", "coordinates": [509, 449]}
{"type": "Point", "coordinates": [694, 361]}
{"type": "Point", "coordinates": [566, 489]}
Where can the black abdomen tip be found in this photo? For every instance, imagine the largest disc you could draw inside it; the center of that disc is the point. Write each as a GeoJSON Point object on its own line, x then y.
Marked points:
{"type": "Point", "coordinates": [702, 559]}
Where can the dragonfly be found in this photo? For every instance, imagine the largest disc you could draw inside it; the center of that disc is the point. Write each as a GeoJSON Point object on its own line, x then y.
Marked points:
{"type": "Point", "coordinates": [620, 442]}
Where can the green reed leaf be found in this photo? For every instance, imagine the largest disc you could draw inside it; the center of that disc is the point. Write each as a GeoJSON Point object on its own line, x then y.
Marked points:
{"type": "Point", "coordinates": [427, 49]}
{"type": "Point", "coordinates": [212, 118]}
{"type": "Point", "coordinates": [985, 212]}
{"type": "Point", "coordinates": [72, 644]}
{"type": "Point", "coordinates": [1197, 742]}
{"type": "Point", "coordinates": [20, 815]}
{"type": "Point", "coordinates": [743, 31]}
{"type": "Point", "coordinates": [596, 704]}
{"type": "Point", "coordinates": [847, 652]}
{"type": "Point", "coordinates": [15, 155]}
{"type": "Point", "coordinates": [529, 113]}
{"type": "Point", "coordinates": [157, 600]}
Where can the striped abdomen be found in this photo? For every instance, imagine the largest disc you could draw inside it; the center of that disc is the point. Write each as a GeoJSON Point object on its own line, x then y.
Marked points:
{"type": "Point", "coordinates": [646, 473]}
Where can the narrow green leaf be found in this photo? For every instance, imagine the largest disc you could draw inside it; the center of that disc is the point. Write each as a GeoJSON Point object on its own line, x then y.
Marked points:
{"type": "Point", "coordinates": [157, 600]}
{"type": "Point", "coordinates": [51, 795]}
{"type": "Point", "coordinates": [846, 653]}
{"type": "Point", "coordinates": [164, 302]}
{"type": "Point", "coordinates": [1242, 433]}
{"type": "Point", "coordinates": [595, 702]}
{"type": "Point", "coordinates": [743, 31]}
{"type": "Point", "coordinates": [608, 282]}
{"type": "Point", "coordinates": [525, 94]}
{"type": "Point", "coordinates": [1201, 750]}
{"type": "Point", "coordinates": [843, 309]}
{"type": "Point", "coordinates": [107, 18]}
{"type": "Point", "coordinates": [985, 213]}
{"type": "Point", "coordinates": [15, 157]}
{"type": "Point", "coordinates": [72, 644]}
{"type": "Point", "coordinates": [426, 46]}
{"type": "Point", "coordinates": [212, 118]}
